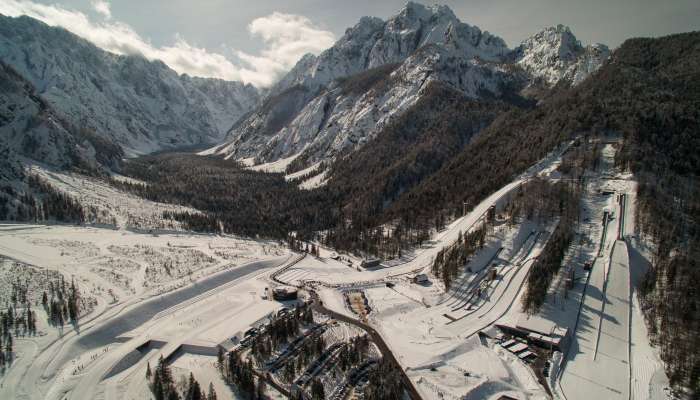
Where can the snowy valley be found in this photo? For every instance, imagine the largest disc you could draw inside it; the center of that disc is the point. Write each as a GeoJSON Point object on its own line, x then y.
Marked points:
{"type": "Point", "coordinates": [417, 212]}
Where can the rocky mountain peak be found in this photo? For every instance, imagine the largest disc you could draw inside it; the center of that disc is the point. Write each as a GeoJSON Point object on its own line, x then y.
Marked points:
{"type": "Point", "coordinates": [556, 41]}
{"type": "Point", "coordinates": [332, 104]}
{"type": "Point", "coordinates": [555, 54]}
{"type": "Point", "coordinates": [373, 42]}
{"type": "Point", "coordinates": [413, 13]}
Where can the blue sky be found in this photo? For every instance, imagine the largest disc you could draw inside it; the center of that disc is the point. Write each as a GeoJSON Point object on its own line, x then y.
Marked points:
{"type": "Point", "coordinates": [257, 41]}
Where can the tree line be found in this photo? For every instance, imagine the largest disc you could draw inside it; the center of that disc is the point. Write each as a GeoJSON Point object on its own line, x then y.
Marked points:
{"type": "Point", "coordinates": [17, 319]}
{"type": "Point", "coordinates": [41, 202]}
{"type": "Point", "coordinates": [449, 261]}
{"type": "Point", "coordinates": [539, 200]}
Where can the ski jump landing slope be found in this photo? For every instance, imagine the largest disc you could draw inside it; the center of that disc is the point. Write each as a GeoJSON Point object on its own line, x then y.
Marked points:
{"type": "Point", "coordinates": [597, 365]}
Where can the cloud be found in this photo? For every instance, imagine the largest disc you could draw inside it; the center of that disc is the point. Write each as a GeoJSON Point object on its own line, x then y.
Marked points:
{"type": "Point", "coordinates": [286, 38]}
{"type": "Point", "coordinates": [103, 8]}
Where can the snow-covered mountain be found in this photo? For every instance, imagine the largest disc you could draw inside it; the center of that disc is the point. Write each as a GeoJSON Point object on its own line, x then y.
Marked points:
{"type": "Point", "coordinates": [374, 42]}
{"type": "Point", "coordinates": [140, 105]}
{"type": "Point", "coordinates": [30, 128]}
{"type": "Point", "coordinates": [330, 104]}
{"type": "Point", "coordinates": [554, 54]}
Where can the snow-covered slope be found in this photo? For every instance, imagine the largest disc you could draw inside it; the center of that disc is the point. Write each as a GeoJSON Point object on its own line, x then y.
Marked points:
{"type": "Point", "coordinates": [331, 104]}
{"type": "Point", "coordinates": [338, 100]}
{"type": "Point", "coordinates": [353, 110]}
{"type": "Point", "coordinates": [142, 106]}
{"type": "Point", "coordinates": [30, 128]}
{"type": "Point", "coordinates": [554, 54]}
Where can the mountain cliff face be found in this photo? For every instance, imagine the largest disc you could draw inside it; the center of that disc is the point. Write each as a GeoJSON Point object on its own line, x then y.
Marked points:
{"type": "Point", "coordinates": [374, 42]}
{"type": "Point", "coordinates": [30, 128]}
{"type": "Point", "coordinates": [352, 110]}
{"type": "Point", "coordinates": [331, 104]}
{"type": "Point", "coordinates": [140, 105]}
{"type": "Point", "coordinates": [554, 54]}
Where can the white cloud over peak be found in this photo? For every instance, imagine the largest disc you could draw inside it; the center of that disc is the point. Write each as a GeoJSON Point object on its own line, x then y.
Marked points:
{"type": "Point", "coordinates": [103, 8]}
{"type": "Point", "coordinates": [286, 38]}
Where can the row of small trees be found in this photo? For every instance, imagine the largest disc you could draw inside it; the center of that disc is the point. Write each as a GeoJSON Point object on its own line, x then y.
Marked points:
{"type": "Point", "coordinates": [163, 386]}
{"type": "Point", "coordinates": [18, 319]}
{"type": "Point", "coordinates": [241, 374]}
{"type": "Point", "coordinates": [6, 351]}
{"type": "Point", "coordinates": [301, 246]}
{"type": "Point", "coordinates": [308, 352]}
{"type": "Point", "coordinates": [355, 353]}
{"type": "Point", "coordinates": [543, 200]}
{"type": "Point", "coordinates": [21, 321]}
{"type": "Point", "coordinates": [546, 266]}
{"type": "Point", "coordinates": [450, 260]}
{"type": "Point", "coordinates": [62, 305]}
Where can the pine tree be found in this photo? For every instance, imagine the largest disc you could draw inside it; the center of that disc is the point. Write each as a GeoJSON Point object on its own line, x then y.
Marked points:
{"type": "Point", "coordinates": [317, 390]}
{"type": "Point", "coordinates": [148, 371]}
{"type": "Point", "coordinates": [289, 371]}
{"type": "Point", "coordinates": [193, 391]}
{"type": "Point", "coordinates": [64, 313]}
{"type": "Point", "coordinates": [8, 347]}
{"type": "Point", "coordinates": [220, 359]}
{"type": "Point", "coordinates": [212, 392]}
{"type": "Point", "coordinates": [31, 320]}
{"type": "Point", "coordinates": [157, 387]}
{"type": "Point", "coordinates": [164, 372]}
{"type": "Point", "coordinates": [232, 366]}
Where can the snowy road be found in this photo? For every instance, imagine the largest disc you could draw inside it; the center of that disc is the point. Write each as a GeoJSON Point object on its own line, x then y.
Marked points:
{"type": "Point", "coordinates": [132, 319]}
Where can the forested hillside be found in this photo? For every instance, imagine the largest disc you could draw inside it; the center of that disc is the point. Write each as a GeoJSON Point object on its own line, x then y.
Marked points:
{"type": "Point", "coordinates": [368, 181]}
{"type": "Point", "coordinates": [650, 93]}
{"type": "Point", "coordinates": [361, 187]}
{"type": "Point", "coordinates": [242, 201]}
{"type": "Point", "coordinates": [413, 147]}
{"type": "Point", "coordinates": [657, 85]}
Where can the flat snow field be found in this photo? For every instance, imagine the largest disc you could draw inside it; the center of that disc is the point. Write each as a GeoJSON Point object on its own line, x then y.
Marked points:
{"type": "Point", "coordinates": [175, 288]}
